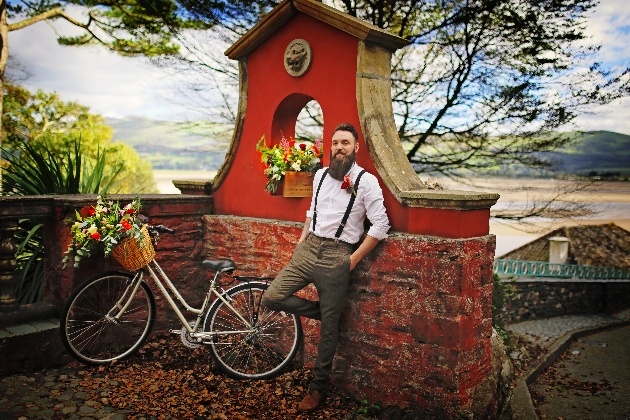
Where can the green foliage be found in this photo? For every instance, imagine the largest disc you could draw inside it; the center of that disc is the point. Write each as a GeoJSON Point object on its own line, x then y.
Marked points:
{"type": "Point", "coordinates": [30, 261]}
{"type": "Point", "coordinates": [35, 171]}
{"type": "Point", "coordinates": [127, 27]}
{"type": "Point", "coordinates": [44, 156]}
{"type": "Point", "coordinates": [502, 292]}
{"type": "Point", "coordinates": [368, 409]}
{"type": "Point", "coordinates": [50, 125]}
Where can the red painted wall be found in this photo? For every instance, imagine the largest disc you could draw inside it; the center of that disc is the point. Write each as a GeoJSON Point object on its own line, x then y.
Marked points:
{"type": "Point", "coordinates": [417, 326]}
{"type": "Point", "coordinates": [330, 80]}
{"type": "Point", "coordinates": [274, 100]}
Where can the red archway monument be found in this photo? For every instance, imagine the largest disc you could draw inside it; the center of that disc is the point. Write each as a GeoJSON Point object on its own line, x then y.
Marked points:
{"type": "Point", "coordinates": [348, 74]}
{"type": "Point", "coordinates": [418, 328]}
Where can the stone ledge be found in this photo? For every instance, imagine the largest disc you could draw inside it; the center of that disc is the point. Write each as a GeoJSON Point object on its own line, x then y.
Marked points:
{"type": "Point", "coordinates": [27, 313]}
{"type": "Point", "coordinates": [193, 187]}
{"type": "Point", "coordinates": [41, 348]}
{"type": "Point", "coordinates": [448, 199]}
{"type": "Point", "coordinates": [29, 328]}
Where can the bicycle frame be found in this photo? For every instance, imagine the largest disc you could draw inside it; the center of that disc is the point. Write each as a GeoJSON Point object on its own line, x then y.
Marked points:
{"type": "Point", "coordinates": [163, 281]}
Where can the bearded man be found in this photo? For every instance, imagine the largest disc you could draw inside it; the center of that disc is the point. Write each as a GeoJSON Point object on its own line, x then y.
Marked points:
{"type": "Point", "coordinates": [326, 253]}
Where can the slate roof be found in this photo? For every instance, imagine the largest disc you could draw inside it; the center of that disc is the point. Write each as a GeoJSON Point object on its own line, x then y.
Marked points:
{"type": "Point", "coordinates": [606, 245]}
{"type": "Point", "coordinates": [273, 20]}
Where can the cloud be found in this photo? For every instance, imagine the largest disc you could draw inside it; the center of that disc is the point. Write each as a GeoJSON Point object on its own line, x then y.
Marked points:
{"type": "Point", "coordinates": [609, 25]}
{"type": "Point", "coordinates": [116, 86]}
{"type": "Point", "coordinates": [109, 84]}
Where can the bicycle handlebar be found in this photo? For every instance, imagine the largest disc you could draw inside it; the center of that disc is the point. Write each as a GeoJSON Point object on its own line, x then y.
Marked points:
{"type": "Point", "coordinates": [160, 229]}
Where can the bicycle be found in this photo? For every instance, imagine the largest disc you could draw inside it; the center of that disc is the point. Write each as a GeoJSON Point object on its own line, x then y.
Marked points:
{"type": "Point", "coordinates": [110, 316]}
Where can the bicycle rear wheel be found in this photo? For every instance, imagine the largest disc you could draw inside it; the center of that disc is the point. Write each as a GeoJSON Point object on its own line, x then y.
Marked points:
{"type": "Point", "coordinates": [261, 351]}
{"type": "Point", "coordinates": [89, 330]}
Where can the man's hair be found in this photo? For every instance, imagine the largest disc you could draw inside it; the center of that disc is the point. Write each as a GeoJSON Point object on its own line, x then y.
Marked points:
{"type": "Point", "coordinates": [348, 127]}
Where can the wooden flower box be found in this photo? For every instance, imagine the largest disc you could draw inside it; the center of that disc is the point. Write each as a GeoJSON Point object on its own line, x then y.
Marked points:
{"type": "Point", "coordinates": [298, 184]}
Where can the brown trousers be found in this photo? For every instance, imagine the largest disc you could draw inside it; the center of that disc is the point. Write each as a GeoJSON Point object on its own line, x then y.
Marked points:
{"type": "Point", "coordinates": [326, 264]}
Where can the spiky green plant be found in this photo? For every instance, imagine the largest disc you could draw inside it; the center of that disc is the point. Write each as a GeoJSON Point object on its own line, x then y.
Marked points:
{"type": "Point", "coordinates": [34, 170]}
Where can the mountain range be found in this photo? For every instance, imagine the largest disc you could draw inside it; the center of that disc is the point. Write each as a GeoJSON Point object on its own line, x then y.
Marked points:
{"type": "Point", "coordinates": [203, 145]}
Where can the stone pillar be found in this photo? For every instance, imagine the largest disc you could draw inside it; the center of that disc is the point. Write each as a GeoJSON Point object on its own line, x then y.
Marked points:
{"type": "Point", "coordinates": [8, 264]}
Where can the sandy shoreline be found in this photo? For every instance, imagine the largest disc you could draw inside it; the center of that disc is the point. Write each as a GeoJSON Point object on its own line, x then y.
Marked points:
{"type": "Point", "coordinates": [611, 200]}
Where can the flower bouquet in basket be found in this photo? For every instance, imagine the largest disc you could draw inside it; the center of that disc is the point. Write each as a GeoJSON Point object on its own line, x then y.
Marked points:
{"type": "Point", "coordinates": [110, 228]}
{"type": "Point", "coordinates": [289, 156]}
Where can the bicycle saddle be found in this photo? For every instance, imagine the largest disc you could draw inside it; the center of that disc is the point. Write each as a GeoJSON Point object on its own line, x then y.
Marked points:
{"type": "Point", "coordinates": [221, 265]}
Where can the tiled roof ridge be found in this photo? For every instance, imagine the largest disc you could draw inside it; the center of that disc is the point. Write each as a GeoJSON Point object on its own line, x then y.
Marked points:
{"type": "Point", "coordinates": [580, 236]}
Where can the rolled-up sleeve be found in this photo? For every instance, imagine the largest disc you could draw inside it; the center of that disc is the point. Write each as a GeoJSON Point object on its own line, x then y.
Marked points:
{"type": "Point", "coordinates": [375, 209]}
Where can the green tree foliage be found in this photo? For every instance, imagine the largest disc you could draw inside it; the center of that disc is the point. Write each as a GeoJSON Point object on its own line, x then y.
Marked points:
{"type": "Point", "coordinates": [51, 128]}
{"type": "Point", "coordinates": [57, 147]}
{"type": "Point", "coordinates": [127, 27]}
{"type": "Point", "coordinates": [147, 28]}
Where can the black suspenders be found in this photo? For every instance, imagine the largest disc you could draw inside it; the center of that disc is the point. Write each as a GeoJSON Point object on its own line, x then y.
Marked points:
{"type": "Point", "coordinates": [321, 181]}
{"type": "Point", "coordinates": [348, 209]}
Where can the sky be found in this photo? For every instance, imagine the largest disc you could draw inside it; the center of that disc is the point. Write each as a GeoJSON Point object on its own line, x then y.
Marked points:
{"type": "Point", "coordinates": [116, 86]}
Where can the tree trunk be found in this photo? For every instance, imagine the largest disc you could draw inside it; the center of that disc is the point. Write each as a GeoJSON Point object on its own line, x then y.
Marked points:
{"type": "Point", "coordinates": [4, 57]}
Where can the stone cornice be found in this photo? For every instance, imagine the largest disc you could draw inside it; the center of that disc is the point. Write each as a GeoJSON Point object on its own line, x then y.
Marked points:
{"type": "Point", "coordinates": [45, 205]}
{"type": "Point", "coordinates": [276, 18]}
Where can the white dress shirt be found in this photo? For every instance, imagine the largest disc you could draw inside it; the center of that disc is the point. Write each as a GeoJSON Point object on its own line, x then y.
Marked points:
{"type": "Point", "coordinates": [332, 203]}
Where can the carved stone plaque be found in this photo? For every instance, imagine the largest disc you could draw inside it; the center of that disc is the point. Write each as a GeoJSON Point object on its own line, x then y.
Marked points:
{"type": "Point", "coordinates": [297, 57]}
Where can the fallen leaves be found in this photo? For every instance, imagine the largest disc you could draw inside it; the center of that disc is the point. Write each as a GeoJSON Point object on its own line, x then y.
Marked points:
{"type": "Point", "coordinates": [166, 380]}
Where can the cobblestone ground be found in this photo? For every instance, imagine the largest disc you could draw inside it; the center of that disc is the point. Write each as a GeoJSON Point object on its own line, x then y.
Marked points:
{"type": "Point", "coordinates": [51, 394]}
{"type": "Point", "coordinates": [545, 332]}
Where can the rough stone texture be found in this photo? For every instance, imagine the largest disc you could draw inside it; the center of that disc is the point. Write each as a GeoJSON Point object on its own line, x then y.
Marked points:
{"type": "Point", "coordinates": [417, 328]}
{"type": "Point", "coordinates": [545, 299]}
{"type": "Point", "coordinates": [18, 355]}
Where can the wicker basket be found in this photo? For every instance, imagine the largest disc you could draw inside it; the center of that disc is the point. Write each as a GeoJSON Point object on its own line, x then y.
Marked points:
{"type": "Point", "coordinates": [133, 254]}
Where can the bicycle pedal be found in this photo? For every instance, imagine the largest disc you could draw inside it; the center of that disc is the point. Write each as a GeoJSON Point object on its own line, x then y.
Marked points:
{"type": "Point", "coordinates": [174, 331]}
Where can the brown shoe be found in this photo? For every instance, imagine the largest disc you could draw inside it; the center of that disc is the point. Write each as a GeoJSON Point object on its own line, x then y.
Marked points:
{"type": "Point", "coordinates": [311, 400]}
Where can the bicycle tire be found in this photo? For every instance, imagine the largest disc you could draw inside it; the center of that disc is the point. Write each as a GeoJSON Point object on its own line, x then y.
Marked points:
{"type": "Point", "coordinates": [88, 331]}
{"type": "Point", "coordinates": [262, 354]}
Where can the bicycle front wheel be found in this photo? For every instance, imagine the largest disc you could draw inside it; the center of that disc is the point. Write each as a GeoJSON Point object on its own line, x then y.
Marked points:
{"type": "Point", "coordinates": [93, 331]}
{"type": "Point", "coordinates": [251, 341]}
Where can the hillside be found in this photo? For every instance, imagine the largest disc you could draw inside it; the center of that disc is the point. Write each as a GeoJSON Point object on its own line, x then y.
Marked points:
{"type": "Point", "coordinates": [174, 145]}
{"type": "Point", "coordinates": [202, 146]}
{"type": "Point", "coordinates": [595, 151]}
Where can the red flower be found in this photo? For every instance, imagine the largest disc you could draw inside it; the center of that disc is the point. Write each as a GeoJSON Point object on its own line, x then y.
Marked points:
{"type": "Point", "coordinates": [126, 225]}
{"type": "Point", "coordinates": [302, 146]}
{"type": "Point", "coordinates": [130, 211]}
{"type": "Point", "coordinates": [87, 211]}
{"type": "Point", "coordinates": [348, 186]}
{"type": "Point", "coordinates": [347, 183]}
{"type": "Point", "coordinates": [96, 236]}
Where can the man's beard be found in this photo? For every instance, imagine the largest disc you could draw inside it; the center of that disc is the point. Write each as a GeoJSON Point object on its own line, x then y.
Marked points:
{"type": "Point", "coordinates": [340, 165]}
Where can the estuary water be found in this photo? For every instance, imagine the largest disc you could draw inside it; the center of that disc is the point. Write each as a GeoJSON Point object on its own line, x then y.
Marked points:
{"type": "Point", "coordinates": [609, 201]}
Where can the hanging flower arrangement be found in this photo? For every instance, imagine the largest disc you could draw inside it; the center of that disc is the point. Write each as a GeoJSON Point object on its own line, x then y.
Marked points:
{"type": "Point", "coordinates": [102, 227]}
{"type": "Point", "coordinates": [289, 155]}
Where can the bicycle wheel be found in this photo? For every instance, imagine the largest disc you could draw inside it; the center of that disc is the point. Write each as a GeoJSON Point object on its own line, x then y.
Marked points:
{"type": "Point", "coordinates": [89, 330]}
{"type": "Point", "coordinates": [260, 352]}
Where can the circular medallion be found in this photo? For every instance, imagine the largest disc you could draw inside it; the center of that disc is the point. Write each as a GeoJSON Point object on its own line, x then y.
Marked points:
{"type": "Point", "coordinates": [297, 57]}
